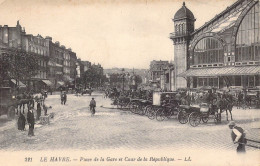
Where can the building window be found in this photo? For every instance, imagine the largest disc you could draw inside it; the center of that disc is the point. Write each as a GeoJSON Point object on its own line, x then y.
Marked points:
{"type": "Point", "coordinates": [200, 82]}
{"type": "Point", "coordinates": [207, 51]}
{"type": "Point", "coordinates": [229, 59]}
{"type": "Point", "coordinates": [238, 81]}
{"type": "Point", "coordinates": [248, 36]}
{"type": "Point", "coordinates": [251, 81]}
{"type": "Point", "coordinates": [257, 80]}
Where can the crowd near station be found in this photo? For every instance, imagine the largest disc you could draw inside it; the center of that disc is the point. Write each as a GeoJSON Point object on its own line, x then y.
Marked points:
{"type": "Point", "coordinates": [161, 104]}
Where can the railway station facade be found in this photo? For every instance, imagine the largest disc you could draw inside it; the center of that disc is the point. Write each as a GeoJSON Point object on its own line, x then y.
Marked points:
{"type": "Point", "coordinates": [223, 52]}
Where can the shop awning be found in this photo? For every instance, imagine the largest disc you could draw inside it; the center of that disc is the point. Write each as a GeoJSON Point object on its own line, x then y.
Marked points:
{"type": "Point", "coordinates": [47, 82]}
{"type": "Point", "coordinates": [60, 83]}
{"type": "Point", "coordinates": [20, 84]}
{"type": "Point", "coordinates": [224, 71]}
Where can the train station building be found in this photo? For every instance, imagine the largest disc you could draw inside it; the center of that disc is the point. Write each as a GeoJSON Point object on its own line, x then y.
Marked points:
{"type": "Point", "coordinates": [224, 52]}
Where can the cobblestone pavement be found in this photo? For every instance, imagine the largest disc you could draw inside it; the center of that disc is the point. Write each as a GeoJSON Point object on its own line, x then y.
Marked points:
{"type": "Point", "coordinates": [74, 128]}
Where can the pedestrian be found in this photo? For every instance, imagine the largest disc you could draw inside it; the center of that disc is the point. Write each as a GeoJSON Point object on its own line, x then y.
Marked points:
{"type": "Point", "coordinates": [45, 108]}
{"type": "Point", "coordinates": [92, 106]}
{"type": "Point", "coordinates": [30, 120]}
{"type": "Point", "coordinates": [61, 97]}
{"type": "Point", "coordinates": [38, 111]}
{"type": "Point", "coordinates": [239, 99]}
{"type": "Point", "coordinates": [64, 98]}
{"type": "Point", "coordinates": [258, 99]}
{"type": "Point", "coordinates": [238, 136]}
{"type": "Point", "coordinates": [21, 122]}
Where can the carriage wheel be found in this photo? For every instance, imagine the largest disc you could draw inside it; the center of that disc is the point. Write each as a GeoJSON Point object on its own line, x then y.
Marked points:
{"type": "Point", "coordinates": [151, 113]}
{"type": "Point", "coordinates": [11, 113]}
{"type": "Point", "coordinates": [205, 119]}
{"type": "Point", "coordinates": [125, 105]}
{"type": "Point", "coordinates": [141, 110]}
{"type": "Point", "coordinates": [217, 118]}
{"type": "Point", "coordinates": [146, 108]}
{"type": "Point", "coordinates": [160, 114]}
{"type": "Point", "coordinates": [138, 109]}
{"type": "Point", "coordinates": [170, 113]}
{"type": "Point", "coordinates": [134, 108]}
{"type": "Point", "coordinates": [130, 106]}
{"type": "Point", "coordinates": [182, 117]}
{"type": "Point", "coordinates": [194, 119]}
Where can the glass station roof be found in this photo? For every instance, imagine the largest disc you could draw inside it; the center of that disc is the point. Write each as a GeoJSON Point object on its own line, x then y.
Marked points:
{"type": "Point", "coordinates": [227, 22]}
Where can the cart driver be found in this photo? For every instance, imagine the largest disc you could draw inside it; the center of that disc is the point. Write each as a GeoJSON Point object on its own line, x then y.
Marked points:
{"type": "Point", "coordinates": [178, 98]}
{"type": "Point", "coordinates": [238, 136]}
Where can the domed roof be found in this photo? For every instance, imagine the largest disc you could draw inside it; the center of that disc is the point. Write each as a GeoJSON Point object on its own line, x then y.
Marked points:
{"type": "Point", "coordinates": [184, 12]}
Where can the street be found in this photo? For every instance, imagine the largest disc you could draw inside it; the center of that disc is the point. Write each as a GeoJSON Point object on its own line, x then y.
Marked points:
{"type": "Point", "coordinates": [73, 128]}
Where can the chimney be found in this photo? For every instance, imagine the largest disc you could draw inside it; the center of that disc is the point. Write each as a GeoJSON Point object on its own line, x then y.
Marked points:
{"type": "Point", "coordinates": [57, 43]}
{"type": "Point", "coordinates": [62, 46]}
{"type": "Point", "coordinates": [48, 38]}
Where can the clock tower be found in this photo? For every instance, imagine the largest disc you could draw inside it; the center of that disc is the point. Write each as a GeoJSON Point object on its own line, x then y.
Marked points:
{"type": "Point", "coordinates": [183, 28]}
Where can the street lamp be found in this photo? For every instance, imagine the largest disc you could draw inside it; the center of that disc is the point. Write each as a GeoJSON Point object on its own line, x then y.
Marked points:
{"type": "Point", "coordinates": [123, 77]}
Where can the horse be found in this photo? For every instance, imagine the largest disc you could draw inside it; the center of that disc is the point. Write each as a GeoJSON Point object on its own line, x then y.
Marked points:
{"type": "Point", "coordinates": [219, 104]}
{"type": "Point", "coordinates": [226, 105]}
{"type": "Point", "coordinates": [113, 94]}
{"type": "Point", "coordinates": [22, 100]}
{"type": "Point", "coordinates": [39, 98]}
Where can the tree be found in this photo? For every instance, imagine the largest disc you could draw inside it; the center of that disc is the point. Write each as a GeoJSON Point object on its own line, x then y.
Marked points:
{"type": "Point", "coordinates": [17, 64]}
{"type": "Point", "coordinates": [92, 78]}
{"type": "Point", "coordinates": [138, 79]}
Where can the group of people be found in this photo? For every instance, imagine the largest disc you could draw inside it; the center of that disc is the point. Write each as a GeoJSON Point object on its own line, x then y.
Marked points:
{"type": "Point", "coordinates": [92, 103]}
{"type": "Point", "coordinates": [31, 118]}
{"type": "Point", "coordinates": [238, 135]}
{"type": "Point", "coordinates": [41, 106]}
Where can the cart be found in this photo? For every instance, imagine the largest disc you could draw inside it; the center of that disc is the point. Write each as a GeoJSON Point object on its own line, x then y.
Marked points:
{"type": "Point", "coordinates": [163, 106]}
{"type": "Point", "coordinates": [203, 114]}
{"type": "Point", "coordinates": [8, 103]}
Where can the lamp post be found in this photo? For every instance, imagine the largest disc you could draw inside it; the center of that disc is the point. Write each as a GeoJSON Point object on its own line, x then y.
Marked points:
{"type": "Point", "coordinates": [123, 77]}
{"type": "Point", "coordinates": [76, 74]}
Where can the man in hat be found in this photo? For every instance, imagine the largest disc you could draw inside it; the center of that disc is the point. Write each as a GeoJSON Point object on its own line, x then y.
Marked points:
{"type": "Point", "coordinates": [45, 109]}
{"type": "Point", "coordinates": [65, 98]}
{"type": "Point", "coordinates": [21, 122]}
{"type": "Point", "coordinates": [238, 136]}
{"type": "Point", "coordinates": [31, 121]}
{"type": "Point", "coordinates": [92, 106]}
{"type": "Point", "coordinates": [38, 111]}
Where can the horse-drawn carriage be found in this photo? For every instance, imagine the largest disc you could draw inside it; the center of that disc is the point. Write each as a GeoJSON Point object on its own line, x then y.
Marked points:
{"type": "Point", "coordinates": [122, 101]}
{"type": "Point", "coordinates": [253, 98]}
{"type": "Point", "coordinates": [8, 103]}
{"type": "Point", "coordinates": [207, 106]}
{"type": "Point", "coordinates": [86, 91]}
{"type": "Point", "coordinates": [138, 106]}
{"type": "Point", "coordinates": [164, 106]}
{"type": "Point", "coordinates": [194, 114]}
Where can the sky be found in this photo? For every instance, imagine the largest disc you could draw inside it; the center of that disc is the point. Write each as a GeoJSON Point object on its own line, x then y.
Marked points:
{"type": "Point", "coordinates": [113, 33]}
